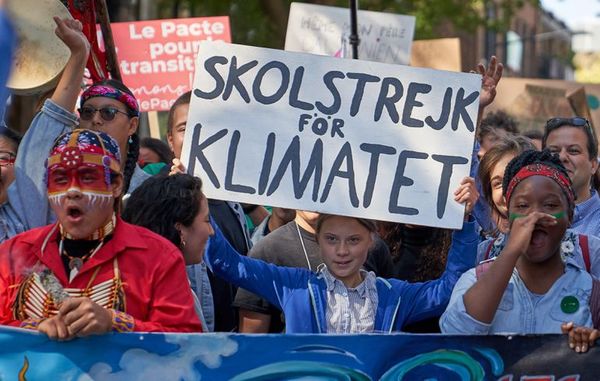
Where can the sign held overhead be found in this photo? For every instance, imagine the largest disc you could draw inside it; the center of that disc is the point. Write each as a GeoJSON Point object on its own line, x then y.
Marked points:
{"type": "Point", "coordinates": [346, 137]}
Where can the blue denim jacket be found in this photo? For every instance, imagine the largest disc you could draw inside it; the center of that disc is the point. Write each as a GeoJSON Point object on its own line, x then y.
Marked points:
{"type": "Point", "coordinates": [586, 219]}
{"type": "Point", "coordinates": [27, 205]}
{"type": "Point", "coordinates": [198, 276]}
{"type": "Point", "coordinates": [520, 311]}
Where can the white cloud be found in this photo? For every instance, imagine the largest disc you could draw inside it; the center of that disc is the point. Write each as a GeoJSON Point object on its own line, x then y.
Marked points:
{"type": "Point", "coordinates": [139, 364]}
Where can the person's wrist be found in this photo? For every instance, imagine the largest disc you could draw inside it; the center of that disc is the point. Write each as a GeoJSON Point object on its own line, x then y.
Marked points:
{"type": "Point", "coordinates": [32, 324]}
{"type": "Point", "coordinates": [121, 321]}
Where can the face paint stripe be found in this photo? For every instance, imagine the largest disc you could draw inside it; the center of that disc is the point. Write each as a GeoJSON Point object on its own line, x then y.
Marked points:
{"type": "Point", "coordinates": [514, 216]}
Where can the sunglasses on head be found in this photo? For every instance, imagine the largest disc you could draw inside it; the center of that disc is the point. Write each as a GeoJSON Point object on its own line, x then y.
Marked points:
{"type": "Point", "coordinates": [106, 113]}
{"type": "Point", "coordinates": [559, 122]}
{"type": "Point", "coordinates": [7, 158]}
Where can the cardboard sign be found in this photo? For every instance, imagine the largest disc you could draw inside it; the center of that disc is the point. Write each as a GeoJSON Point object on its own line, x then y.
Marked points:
{"type": "Point", "coordinates": [534, 106]}
{"type": "Point", "coordinates": [347, 137]}
{"type": "Point", "coordinates": [157, 57]}
{"type": "Point", "coordinates": [510, 90]}
{"type": "Point", "coordinates": [579, 103]}
{"type": "Point", "coordinates": [440, 54]}
{"type": "Point", "coordinates": [319, 29]}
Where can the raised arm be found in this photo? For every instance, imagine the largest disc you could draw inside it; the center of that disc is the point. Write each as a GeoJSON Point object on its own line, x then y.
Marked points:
{"type": "Point", "coordinates": [429, 299]}
{"type": "Point", "coordinates": [482, 300]}
{"type": "Point", "coordinates": [28, 194]}
{"type": "Point", "coordinates": [268, 281]}
{"type": "Point", "coordinates": [69, 86]}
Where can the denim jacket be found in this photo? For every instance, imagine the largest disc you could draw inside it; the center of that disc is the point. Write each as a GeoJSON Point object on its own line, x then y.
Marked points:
{"type": "Point", "coordinates": [27, 205]}
{"type": "Point", "coordinates": [522, 312]}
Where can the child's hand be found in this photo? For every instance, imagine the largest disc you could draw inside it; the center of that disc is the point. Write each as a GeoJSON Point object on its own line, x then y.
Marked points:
{"type": "Point", "coordinates": [177, 167]}
{"type": "Point", "coordinates": [467, 194]}
{"type": "Point", "coordinates": [580, 338]}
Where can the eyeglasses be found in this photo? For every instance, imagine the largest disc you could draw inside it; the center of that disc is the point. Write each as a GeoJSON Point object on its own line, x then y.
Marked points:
{"type": "Point", "coordinates": [577, 121]}
{"type": "Point", "coordinates": [559, 122]}
{"type": "Point", "coordinates": [106, 113]}
{"type": "Point", "coordinates": [7, 158]}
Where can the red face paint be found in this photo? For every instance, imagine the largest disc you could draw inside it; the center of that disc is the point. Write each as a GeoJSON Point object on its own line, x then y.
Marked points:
{"type": "Point", "coordinates": [88, 178]}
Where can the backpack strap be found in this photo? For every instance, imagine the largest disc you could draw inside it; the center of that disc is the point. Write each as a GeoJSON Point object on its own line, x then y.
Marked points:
{"type": "Point", "coordinates": [595, 303]}
{"type": "Point", "coordinates": [585, 251]}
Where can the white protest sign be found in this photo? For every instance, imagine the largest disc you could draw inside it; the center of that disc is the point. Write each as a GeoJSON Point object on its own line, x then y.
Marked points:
{"type": "Point", "coordinates": [319, 29]}
{"type": "Point", "coordinates": [348, 137]}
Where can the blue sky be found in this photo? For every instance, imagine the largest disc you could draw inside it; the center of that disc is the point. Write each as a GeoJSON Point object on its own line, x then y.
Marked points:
{"type": "Point", "coordinates": [573, 11]}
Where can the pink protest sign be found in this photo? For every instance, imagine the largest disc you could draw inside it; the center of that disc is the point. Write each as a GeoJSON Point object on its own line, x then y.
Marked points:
{"type": "Point", "coordinates": [157, 57]}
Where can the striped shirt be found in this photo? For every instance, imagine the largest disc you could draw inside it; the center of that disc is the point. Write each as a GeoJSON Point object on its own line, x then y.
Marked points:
{"type": "Point", "coordinates": [350, 310]}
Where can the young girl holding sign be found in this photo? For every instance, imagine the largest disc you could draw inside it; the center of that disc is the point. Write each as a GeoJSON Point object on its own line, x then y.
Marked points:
{"type": "Point", "coordinates": [341, 297]}
{"type": "Point", "coordinates": [528, 288]}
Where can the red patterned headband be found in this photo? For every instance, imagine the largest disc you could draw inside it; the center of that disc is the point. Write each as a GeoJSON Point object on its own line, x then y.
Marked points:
{"type": "Point", "coordinates": [539, 169]}
{"type": "Point", "coordinates": [111, 92]}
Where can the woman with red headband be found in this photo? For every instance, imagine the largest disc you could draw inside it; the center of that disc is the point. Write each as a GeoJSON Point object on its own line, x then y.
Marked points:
{"type": "Point", "coordinates": [90, 273]}
{"type": "Point", "coordinates": [528, 288]}
{"type": "Point", "coordinates": [108, 107]}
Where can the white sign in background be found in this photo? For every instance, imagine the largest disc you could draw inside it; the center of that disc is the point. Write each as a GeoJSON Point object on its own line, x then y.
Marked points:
{"type": "Point", "coordinates": [320, 29]}
{"type": "Point", "coordinates": [347, 137]}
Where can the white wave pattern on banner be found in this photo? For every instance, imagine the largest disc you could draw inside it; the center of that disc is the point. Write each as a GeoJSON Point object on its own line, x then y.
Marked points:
{"type": "Point", "coordinates": [139, 364]}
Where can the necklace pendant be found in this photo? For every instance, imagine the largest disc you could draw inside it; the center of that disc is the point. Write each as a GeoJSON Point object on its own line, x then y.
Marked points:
{"type": "Point", "coordinates": [75, 263]}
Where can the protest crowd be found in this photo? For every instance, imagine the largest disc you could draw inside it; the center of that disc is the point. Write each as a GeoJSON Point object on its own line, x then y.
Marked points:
{"type": "Point", "coordinates": [102, 231]}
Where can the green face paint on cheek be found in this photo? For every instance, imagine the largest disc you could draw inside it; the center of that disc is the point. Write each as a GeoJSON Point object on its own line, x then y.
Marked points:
{"type": "Point", "coordinates": [514, 216]}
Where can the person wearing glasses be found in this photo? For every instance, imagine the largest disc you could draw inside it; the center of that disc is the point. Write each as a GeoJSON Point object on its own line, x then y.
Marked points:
{"type": "Point", "coordinates": [108, 107]}
{"type": "Point", "coordinates": [575, 142]}
{"type": "Point", "coordinates": [9, 221]}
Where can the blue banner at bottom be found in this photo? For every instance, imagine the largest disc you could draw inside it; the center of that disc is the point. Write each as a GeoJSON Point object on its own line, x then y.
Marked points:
{"type": "Point", "coordinates": [26, 355]}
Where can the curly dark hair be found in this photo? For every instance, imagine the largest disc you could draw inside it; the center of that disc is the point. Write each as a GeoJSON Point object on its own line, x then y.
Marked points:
{"type": "Point", "coordinates": [432, 256]}
{"type": "Point", "coordinates": [497, 120]}
{"type": "Point", "coordinates": [533, 157]}
{"type": "Point", "coordinates": [162, 201]}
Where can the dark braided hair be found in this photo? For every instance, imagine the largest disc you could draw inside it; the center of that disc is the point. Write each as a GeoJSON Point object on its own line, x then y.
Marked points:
{"type": "Point", "coordinates": [531, 157]}
{"type": "Point", "coordinates": [133, 151]}
{"type": "Point", "coordinates": [162, 201]}
{"type": "Point", "coordinates": [544, 157]}
{"type": "Point", "coordinates": [130, 158]}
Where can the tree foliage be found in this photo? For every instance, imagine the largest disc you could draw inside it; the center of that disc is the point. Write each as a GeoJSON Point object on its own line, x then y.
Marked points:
{"type": "Point", "coordinates": [263, 22]}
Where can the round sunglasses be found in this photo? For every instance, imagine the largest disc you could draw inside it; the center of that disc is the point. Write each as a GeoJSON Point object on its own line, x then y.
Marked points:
{"type": "Point", "coordinates": [106, 113]}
